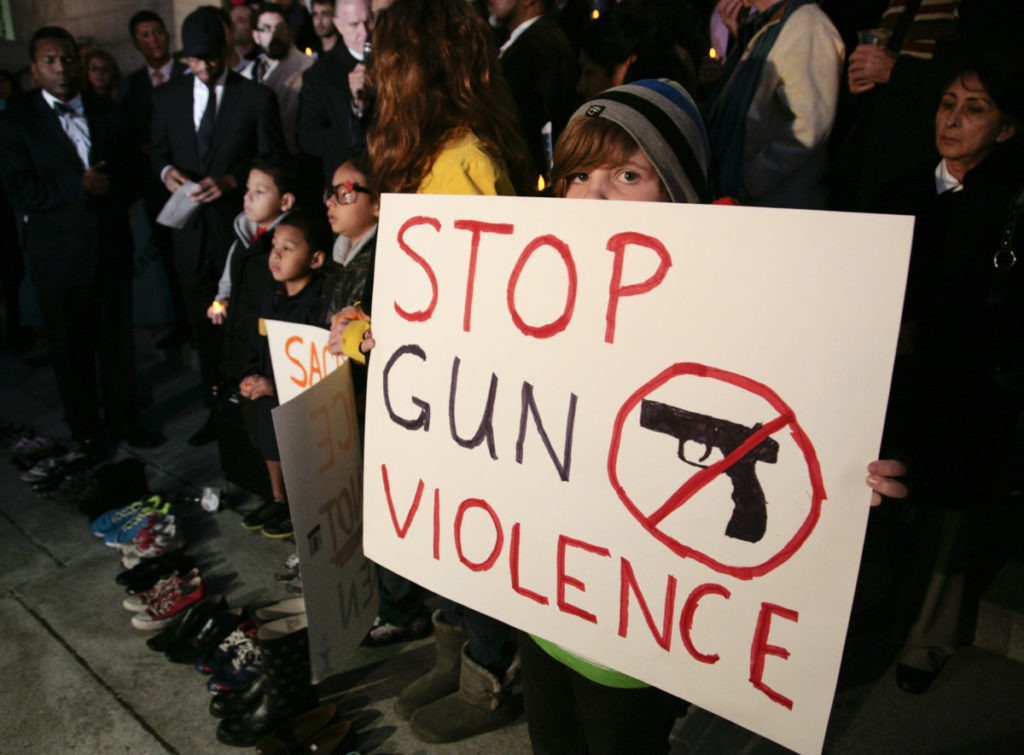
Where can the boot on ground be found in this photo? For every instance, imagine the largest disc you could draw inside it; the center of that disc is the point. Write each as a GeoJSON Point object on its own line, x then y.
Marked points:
{"type": "Point", "coordinates": [441, 680]}
{"type": "Point", "coordinates": [482, 703]}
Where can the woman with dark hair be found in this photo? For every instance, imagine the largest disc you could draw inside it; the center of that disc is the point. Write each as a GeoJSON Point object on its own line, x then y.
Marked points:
{"type": "Point", "coordinates": [445, 124]}
{"type": "Point", "coordinates": [959, 378]}
{"type": "Point", "coordinates": [101, 73]}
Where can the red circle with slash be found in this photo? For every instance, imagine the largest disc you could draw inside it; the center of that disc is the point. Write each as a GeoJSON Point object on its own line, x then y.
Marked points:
{"type": "Point", "coordinates": [696, 482]}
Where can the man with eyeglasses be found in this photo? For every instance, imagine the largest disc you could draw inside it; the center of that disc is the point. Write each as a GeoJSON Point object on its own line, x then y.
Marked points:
{"type": "Point", "coordinates": [207, 129]}
{"type": "Point", "coordinates": [279, 66]}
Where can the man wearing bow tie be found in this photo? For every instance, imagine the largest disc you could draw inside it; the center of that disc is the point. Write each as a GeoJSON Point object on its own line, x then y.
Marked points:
{"type": "Point", "coordinates": [67, 170]}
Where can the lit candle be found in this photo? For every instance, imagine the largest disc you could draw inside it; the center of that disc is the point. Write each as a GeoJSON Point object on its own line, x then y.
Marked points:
{"type": "Point", "coordinates": [712, 53]}
{"type": "Point", "coordinates": [218, 308]}
{"type": "Point", "coordinates": [540, 183]}
{"type": "Point", "coordinates": [309, 50]}
{"type": "Point", "coordinates": [595, 14]}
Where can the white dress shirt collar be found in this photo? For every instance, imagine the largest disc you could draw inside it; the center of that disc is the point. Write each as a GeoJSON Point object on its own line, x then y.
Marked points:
{"type": "Point", "coordinates": [946, 181]}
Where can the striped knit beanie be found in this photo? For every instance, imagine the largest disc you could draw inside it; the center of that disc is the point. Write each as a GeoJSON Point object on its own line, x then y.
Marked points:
{"type": "Point", "coordinates": [666, 124]}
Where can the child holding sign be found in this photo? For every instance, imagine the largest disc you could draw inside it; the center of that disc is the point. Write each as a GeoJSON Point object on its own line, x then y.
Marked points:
{"type": "Point", "coordinates": [640, 142]}
{"type": "Point", "coordinates": [301, 288]}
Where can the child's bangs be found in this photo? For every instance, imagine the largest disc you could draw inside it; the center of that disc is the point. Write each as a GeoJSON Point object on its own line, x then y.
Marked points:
{"type": "Point", "coordinates": [588, 143]}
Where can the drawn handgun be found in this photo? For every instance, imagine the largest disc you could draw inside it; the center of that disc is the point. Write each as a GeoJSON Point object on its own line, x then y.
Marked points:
{"type": "Point", "coordinates": [749, 515]}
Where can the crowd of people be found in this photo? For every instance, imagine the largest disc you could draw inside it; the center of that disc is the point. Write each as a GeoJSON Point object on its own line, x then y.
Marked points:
{"type": "Point", "coordinates": [910, 106]}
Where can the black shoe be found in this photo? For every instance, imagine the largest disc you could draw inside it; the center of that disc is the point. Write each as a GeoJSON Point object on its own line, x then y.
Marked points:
{"type": "Point", "coordinates": [192, 646]}
{"type": "Point", "coordinates": [150, 571]}
{"type": "Point", "coordinates": [265, 513]}
{"type": "Point", "coordinates": [235, 703]}
{"type": "Point", "coordinates": [208, 433]}
{"type": "Point", "coordinates": [280, 525]}
{"type": "Point", "coordinates": [187, 624]}
{"type": "Point", "coordinates": [914, 680]}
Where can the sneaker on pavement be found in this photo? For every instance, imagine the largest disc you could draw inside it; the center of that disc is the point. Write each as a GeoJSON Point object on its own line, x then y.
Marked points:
{"type": "Point", "coordinates": [264, 513]}
{"type": "Point", "coordinates": [143, 600]}
{"type": "Point", "coordinates": [170, 604]}
{"type": "Point", "coordinates": [290, 570]}
{"type": "Point", "coordinates": [280, 526]}
{"type": "Point", "coordinates": [244, 666]}
{"type": "Point", "coordinates": [383, 633]}
{"type": "Point", "coordinates": [113, 520]}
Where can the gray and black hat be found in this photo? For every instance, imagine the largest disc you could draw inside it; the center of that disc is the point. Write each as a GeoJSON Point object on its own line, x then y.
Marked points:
{"type": "Point", "coordinates": [666, 124]}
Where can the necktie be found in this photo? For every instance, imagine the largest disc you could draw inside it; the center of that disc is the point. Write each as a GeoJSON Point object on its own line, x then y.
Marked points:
{"type": "Point", "coordinates": [63, 109]}
{"type": "Point", "coordinates": [261, 69]}
{"type": "Point", "coordinates": [157, 78]}
{"type": "Point", "coordinates": [204, 136]}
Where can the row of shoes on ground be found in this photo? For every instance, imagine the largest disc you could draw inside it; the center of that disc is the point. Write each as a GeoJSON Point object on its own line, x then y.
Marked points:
{"type": "Point", "coordinates": [264, 713]}
{"type": "Point", "coordinates": [141, 530]}
{"type": "Point", "coordinates": [272, 517]}
{"type": "Point", "coordinates": [167, 593]}
{"type": "Point", "coordinates": [264, 675]}
{"type": "Point", "coordinates": [53, 471]}
{"type": "Point", "coordinates": [26, 448]}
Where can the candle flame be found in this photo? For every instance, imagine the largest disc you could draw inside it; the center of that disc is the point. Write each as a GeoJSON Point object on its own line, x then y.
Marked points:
{"type": "Point", "coordinates": [596, 14]}
{"type": "Point", "coordinates": [712, 53]}
{"type": "Point", "coordinates": [309, 50]}
{"type": "Point", "coordinates": [540, 183]}
{"type": "Point", "coordinates": [218, 307]}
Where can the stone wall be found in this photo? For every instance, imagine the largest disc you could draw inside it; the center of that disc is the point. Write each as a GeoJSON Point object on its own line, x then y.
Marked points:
{"type": "Point", "coordinates": [106, 21]}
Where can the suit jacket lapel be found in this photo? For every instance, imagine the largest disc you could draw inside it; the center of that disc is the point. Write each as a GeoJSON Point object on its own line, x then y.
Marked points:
{"type": "Point", "coordinates": [97, 131]}
{"type": "Point", "coordinates": [51, 130]}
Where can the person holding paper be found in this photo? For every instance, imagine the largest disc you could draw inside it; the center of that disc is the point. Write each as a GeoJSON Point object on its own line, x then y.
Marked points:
{"type": "Point", "coordinates": [574, 705]}
{"type": "Point", "coordinates": [207, 129]}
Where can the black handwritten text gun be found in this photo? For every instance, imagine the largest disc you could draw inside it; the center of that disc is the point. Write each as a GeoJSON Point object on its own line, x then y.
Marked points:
{"type": "Point", "coordinates": [750, 514]}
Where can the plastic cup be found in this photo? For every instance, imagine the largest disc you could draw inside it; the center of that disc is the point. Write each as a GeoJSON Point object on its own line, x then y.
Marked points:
{"type": "Point", "coordinates": [874, 37]}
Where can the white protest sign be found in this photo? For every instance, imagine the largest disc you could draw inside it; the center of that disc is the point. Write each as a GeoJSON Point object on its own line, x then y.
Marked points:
{"type": "Point", "coordinates": [299, 355]}
{"type": "Point", "coordinates": [318, 437]}
{"type": "Point", "coordinates": [639, 431]}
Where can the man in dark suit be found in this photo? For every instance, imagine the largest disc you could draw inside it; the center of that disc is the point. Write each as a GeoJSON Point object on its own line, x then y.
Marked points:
{"type": "Point", "coordinates": [331, 114]}
{"type": "Point", "coordinates": [67, 169]}
{"type": "Point", "coordinates": [540, 66]}
{"type": "Point", "coordinates": [135, 92]}
{"type": "Point", "coordinates": [135, 95]}
{"type": "Point", "coordinates": [207, 129]}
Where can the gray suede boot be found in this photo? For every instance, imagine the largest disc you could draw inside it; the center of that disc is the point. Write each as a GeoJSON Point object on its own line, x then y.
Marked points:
{"type": "Point", "coordinates": [441, 680]}
{"type": "Point", "coordinates": [482, 703]}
